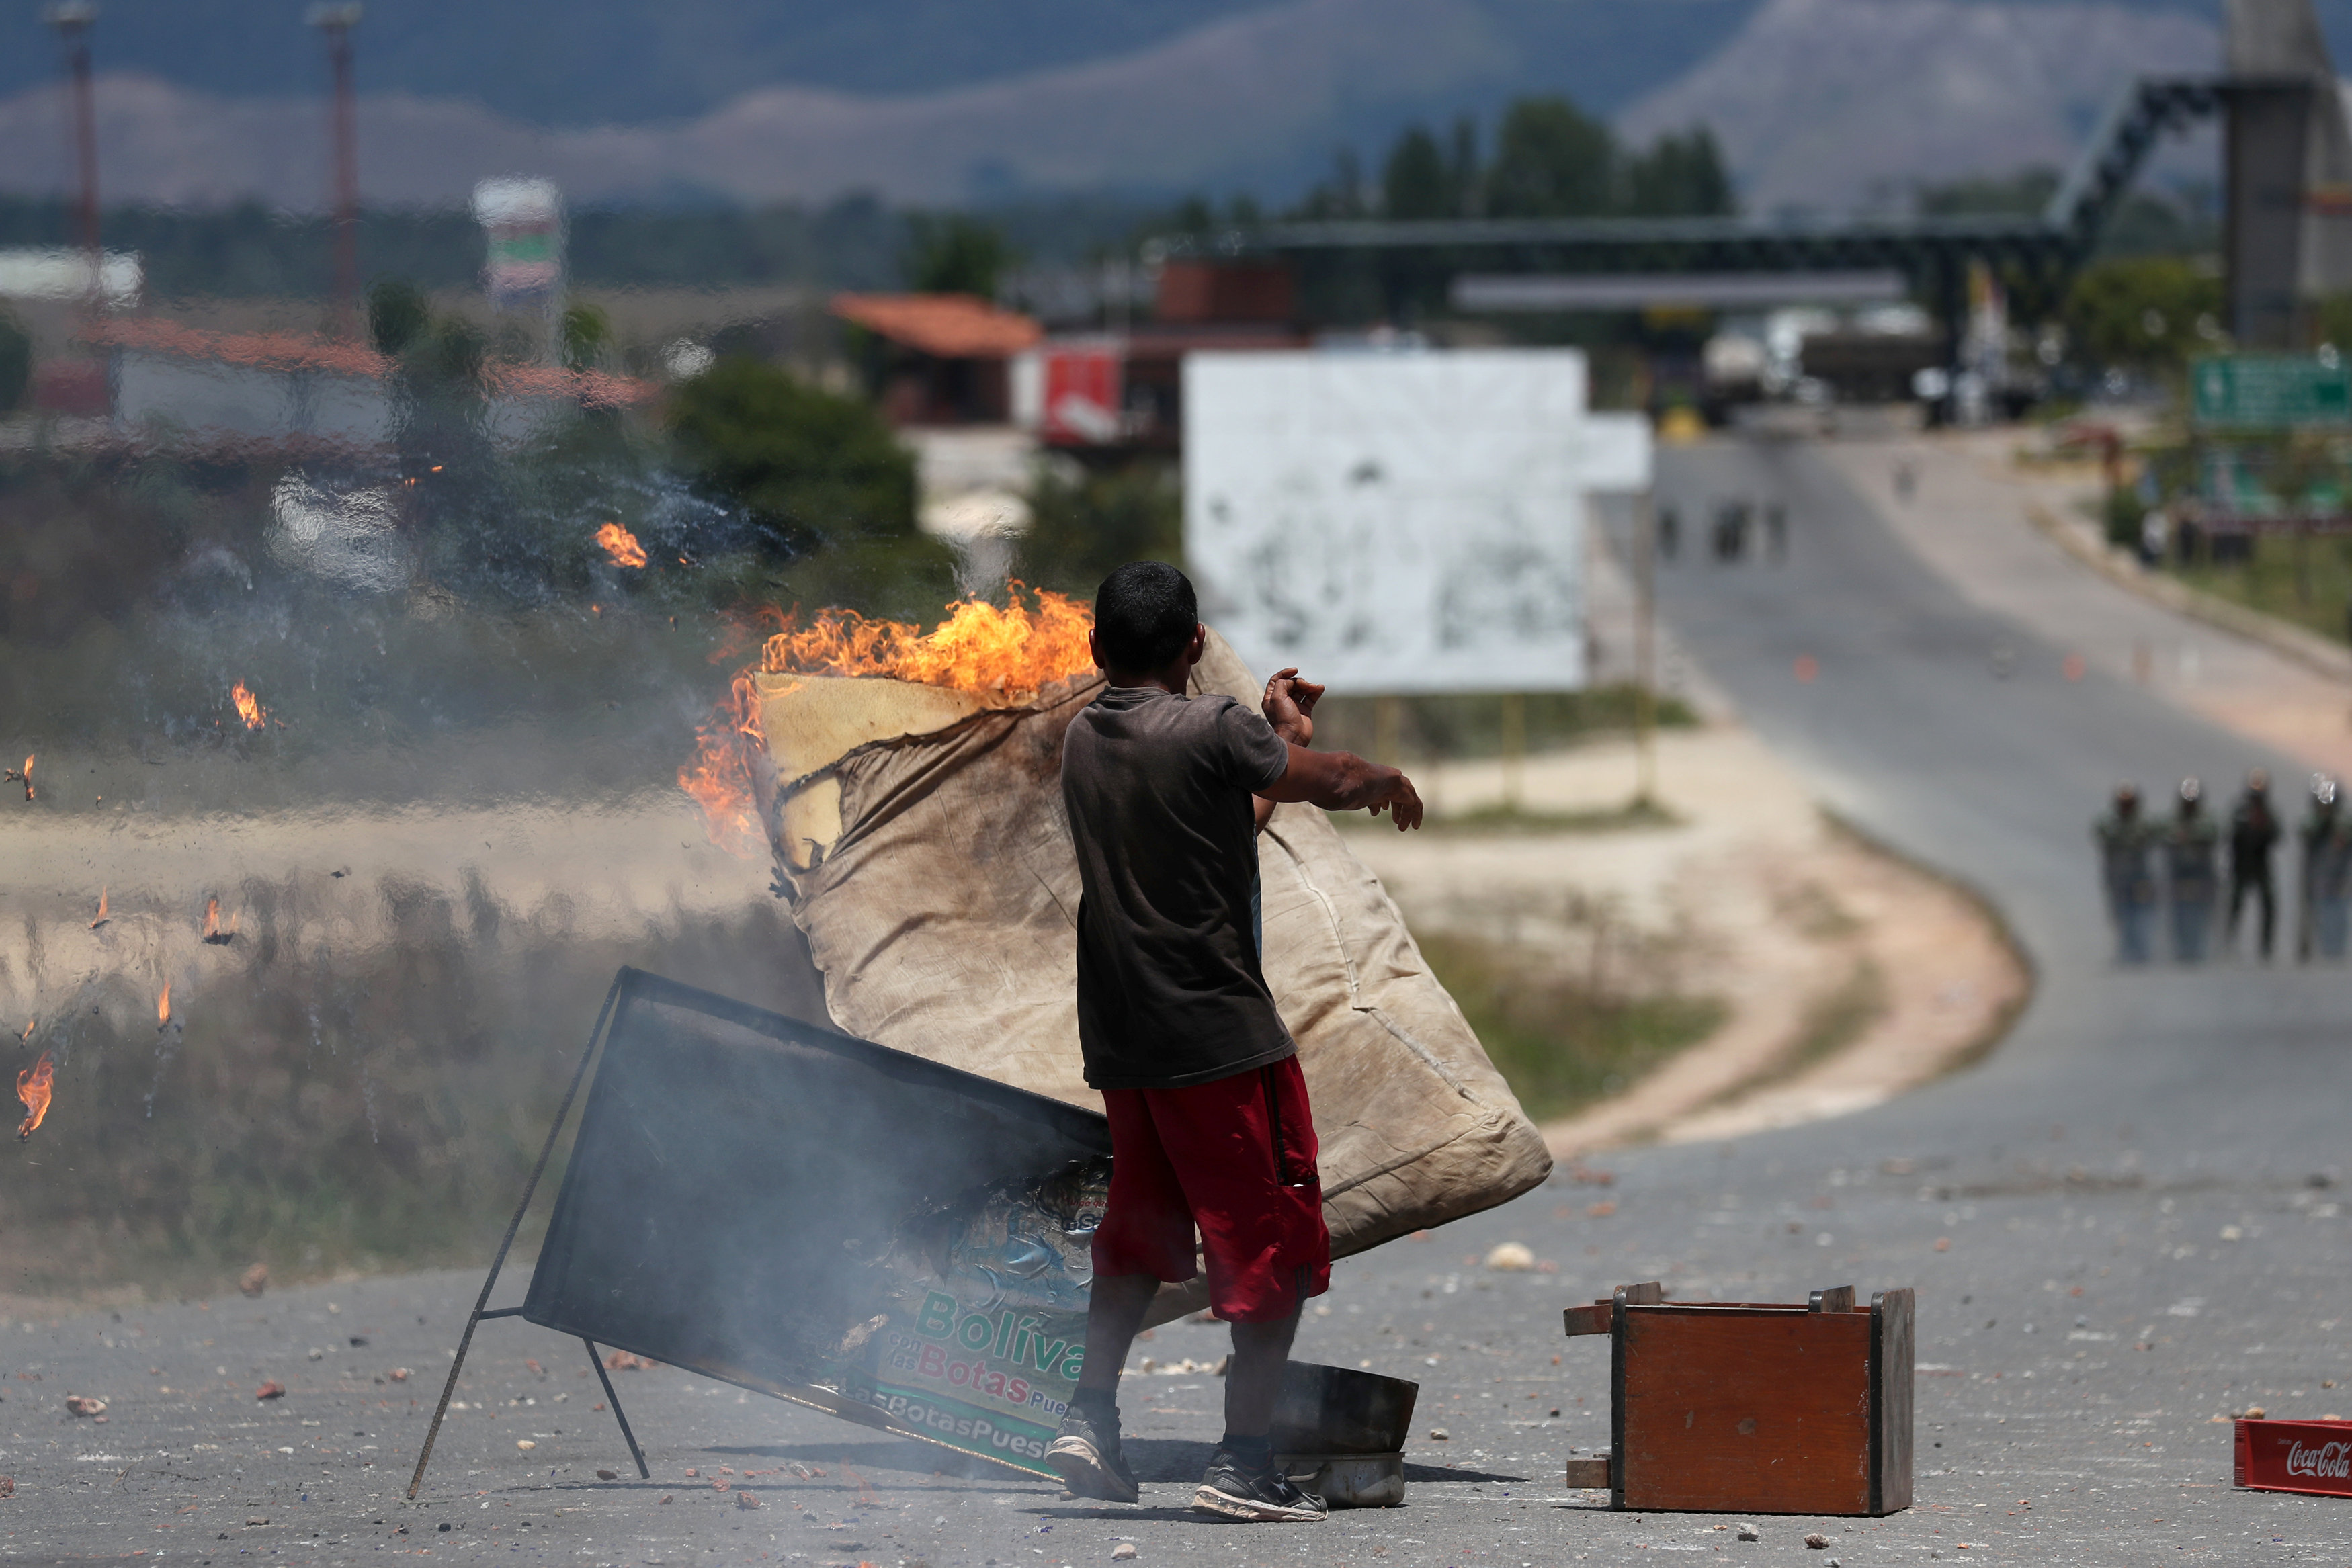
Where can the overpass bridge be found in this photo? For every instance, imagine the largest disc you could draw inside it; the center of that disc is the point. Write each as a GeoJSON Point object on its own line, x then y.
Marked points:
{"type": "Point", "coordinates": [2288, 219]}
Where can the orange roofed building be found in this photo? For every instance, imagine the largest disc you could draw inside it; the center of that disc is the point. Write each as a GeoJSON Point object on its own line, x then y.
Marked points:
{"type": "Point", "coordinates": [280, 386]}
{"type": "Point", "coordinates": [938, 359]}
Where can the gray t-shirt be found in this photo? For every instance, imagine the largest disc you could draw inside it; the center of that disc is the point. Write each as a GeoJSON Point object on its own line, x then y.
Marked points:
{"type": "Point", "coordinates": [1159, 789]}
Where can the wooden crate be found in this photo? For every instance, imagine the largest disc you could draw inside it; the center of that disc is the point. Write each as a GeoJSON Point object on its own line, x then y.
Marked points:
{"type": "Point", "coordinates": [1754, 1407]}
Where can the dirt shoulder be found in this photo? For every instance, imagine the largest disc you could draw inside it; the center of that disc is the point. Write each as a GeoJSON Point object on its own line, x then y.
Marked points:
{"type": "Point", "coordinates": [1846, 974]}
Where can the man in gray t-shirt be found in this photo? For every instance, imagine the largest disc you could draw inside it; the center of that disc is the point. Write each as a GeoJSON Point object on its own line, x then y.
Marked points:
{"type": "Point", "coordinates": [1210, 1128]}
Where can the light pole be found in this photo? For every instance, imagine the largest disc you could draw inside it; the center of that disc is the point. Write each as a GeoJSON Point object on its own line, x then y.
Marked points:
{"type": "Point", "coordinates": [72, 19]}
{"type": "Point", "coordinates": [1645, 650]}
{"type": "Point", "coordinates": [335, 23]}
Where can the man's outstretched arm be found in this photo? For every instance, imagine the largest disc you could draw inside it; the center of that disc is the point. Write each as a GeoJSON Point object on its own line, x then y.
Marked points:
{"type": "Point", "coordinates": [1290, 711]}
{"type": "Point", "coordinates": [1342, 781]}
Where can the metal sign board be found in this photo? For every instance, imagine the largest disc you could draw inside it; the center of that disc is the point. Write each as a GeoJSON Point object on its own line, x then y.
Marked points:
{"type": "Point", "coordinates": [1395, 523]}
{"type": "Point", "coordinates": [796, 1211]}
{"type": "Point", "coordinates": [2269, 391]}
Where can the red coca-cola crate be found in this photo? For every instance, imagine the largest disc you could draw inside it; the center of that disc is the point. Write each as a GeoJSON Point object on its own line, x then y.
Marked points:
{"type": "Point", "coordinates": [2312, 1457]}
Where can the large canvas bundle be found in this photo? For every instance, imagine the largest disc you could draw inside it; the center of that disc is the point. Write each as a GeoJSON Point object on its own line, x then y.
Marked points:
{"type": "Point", "coordinates": [921, 839]}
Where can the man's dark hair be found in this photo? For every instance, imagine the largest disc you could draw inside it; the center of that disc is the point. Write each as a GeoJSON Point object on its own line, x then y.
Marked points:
{"type": "Point", "coordinates": [1144, 615]}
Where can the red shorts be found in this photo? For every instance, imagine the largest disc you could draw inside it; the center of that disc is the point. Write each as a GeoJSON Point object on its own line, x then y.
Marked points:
{"type": "Point", "coordinates": [1237, 1157]}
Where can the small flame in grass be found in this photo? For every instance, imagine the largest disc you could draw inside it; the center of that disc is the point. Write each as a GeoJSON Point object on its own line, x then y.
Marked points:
{"type": "Point", "coordinates": [21, 776]}
{"type": "Point", "coordinates": [212, 918]}
{"type": "Point", "coordinates": [249, 707]}
{"type": "Point", "coordinates": [33, 1088]}
{"type": "Point", "coordinates": [29, 1028]}
{"type": "Point", "coordinates": [101, 910]}
{"type": "Point", "coordinates": [163, 1005]}
{"type": "Point", "coordinates": [621, 545]}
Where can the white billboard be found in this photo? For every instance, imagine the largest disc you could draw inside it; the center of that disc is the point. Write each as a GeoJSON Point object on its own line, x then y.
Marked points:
{"type": "Point", "coordinates": [1398, 523]}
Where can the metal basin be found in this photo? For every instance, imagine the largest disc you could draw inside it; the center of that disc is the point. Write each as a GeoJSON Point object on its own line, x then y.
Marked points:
{"type": "Point", "coordinates": [1336, 1410]}
{"type": "Point", "coordinates": [1341, 1433]}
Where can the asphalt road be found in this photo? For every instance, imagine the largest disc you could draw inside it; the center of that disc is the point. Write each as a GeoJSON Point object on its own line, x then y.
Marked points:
{"type": "Point", "coordinates": [2113, 1225]}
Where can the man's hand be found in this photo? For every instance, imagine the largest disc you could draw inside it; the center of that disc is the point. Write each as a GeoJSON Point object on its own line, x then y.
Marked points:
{"type": "Point", "coordinates": [1403, 803]}
{"type": "Point", "coordinates": [1290, 707]}
{"type": "Point", "coordinates": [1342, 781]}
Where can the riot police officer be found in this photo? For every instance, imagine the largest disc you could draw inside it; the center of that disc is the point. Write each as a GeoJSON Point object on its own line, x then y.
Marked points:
{"type": "Point", "coordinates": [2326, 882]}
{"type": "Point", "coordinates": [2253, 831]}
{"type": "Point", "coordinates": [2124, 842]}
{"type": "Point", "coordinates": [2190, 881]}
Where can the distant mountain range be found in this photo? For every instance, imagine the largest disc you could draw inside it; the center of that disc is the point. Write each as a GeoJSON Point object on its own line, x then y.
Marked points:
{"type": "Point", "coordinates": [1822, 103]}
{"type": "Point", "coordinates": [1838, 103]}
{"type": "Point", "coordinates": [632, 62]}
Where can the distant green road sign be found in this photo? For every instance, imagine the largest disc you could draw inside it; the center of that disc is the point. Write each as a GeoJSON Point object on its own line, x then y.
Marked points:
{"type": "Point", "coordinates": [2269, 391]}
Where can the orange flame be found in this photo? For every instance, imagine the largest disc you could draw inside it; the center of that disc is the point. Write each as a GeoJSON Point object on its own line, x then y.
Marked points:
{"type": "Point", "coordinates": [163, 1005]}
{"type": "Point", "coordinates": [212, 918]}
{"type": "Point", "coordinates": [33, 1088]}
{"type": "Point", "coordinates": [1002, 656]}
{"type": "Point", "coordinates": [29, 1028]}
{"type": "Point", "coordinates": [24, 775]}
{"type": "Point", "coordinates": [249, 707]}
{"type": "Point", "coordinates": [719, 776]}
{"type": "Point", "coordinates": [621, 545]}
{"type": "Point", "coordinates": [101, 910]}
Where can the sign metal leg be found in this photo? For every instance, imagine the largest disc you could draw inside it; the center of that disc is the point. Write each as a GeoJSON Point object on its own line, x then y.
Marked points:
{"type": "Point", "coordinates": [466, 1340]}
{"type": "Point", "coordinates": [618, 1415]}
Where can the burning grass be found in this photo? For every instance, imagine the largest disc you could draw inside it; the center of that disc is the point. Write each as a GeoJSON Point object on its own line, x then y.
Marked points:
{"type": "Point", "coordinates": [318, 1103]}
{"type": "Point", "coordinates": [250, 711]}
{"type": "Point", "coordinates": [33, 1088]}
{"type": "Point", "coordinates": [620, 546]}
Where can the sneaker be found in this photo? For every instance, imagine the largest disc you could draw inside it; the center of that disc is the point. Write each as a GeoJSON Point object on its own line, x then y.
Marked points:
{"type": "Point", "coordinates": [1088, 1458]}
{"type": "Point", "coordinates": [1235, 1491]}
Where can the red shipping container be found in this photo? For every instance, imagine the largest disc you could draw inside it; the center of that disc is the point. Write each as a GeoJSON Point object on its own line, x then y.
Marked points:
{"type": "Point", "coordinates": [2310, 1457]}
{"type": "Point", "coordinates": [1083, 391]}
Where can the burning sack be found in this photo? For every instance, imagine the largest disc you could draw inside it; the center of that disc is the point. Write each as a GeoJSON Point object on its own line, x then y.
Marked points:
{"type": "Point", "coordinates": [919, 831]}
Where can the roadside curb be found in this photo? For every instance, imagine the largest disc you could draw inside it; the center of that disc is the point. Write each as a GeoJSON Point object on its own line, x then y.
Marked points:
{"type": "Point", "coordinates": [2315, 653]}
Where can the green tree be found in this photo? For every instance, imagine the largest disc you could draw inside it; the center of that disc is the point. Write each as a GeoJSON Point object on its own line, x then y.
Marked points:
{"type": "Point", "coordinates": [2144, 313]}
{"type": "Point", "coordinates": [1423, 178]}
{"type": "Point", "coordinates": [1338, 195]}
{"type": "Point", "coordinates": [398, 315]}
{"type": "Point", "coordinates": [1462, 168]}
{"type": "Point", "coordinates": [1415, 183]}
{"type": "Point", "coordinates": [1551, 161]}
{"type": "Point", "coordinates": [1084, 525]}
{"type": "Point", "coordinates": [15, 360]}
{"type": "Point", "coordinates": [828, 482]}
{"type": "Point", "coordinates": [1679, 176]}
{"type": "Point", "coordinates": [1193, 215]}
{"type": "Point", "coordinates": [587, 334]}
{"type": "Point", "coordinates": [2331, 322]}
{"type": "Point", "coordinates": [955, 254]}
{"type": "Point", "coordinates": [805, 460]}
